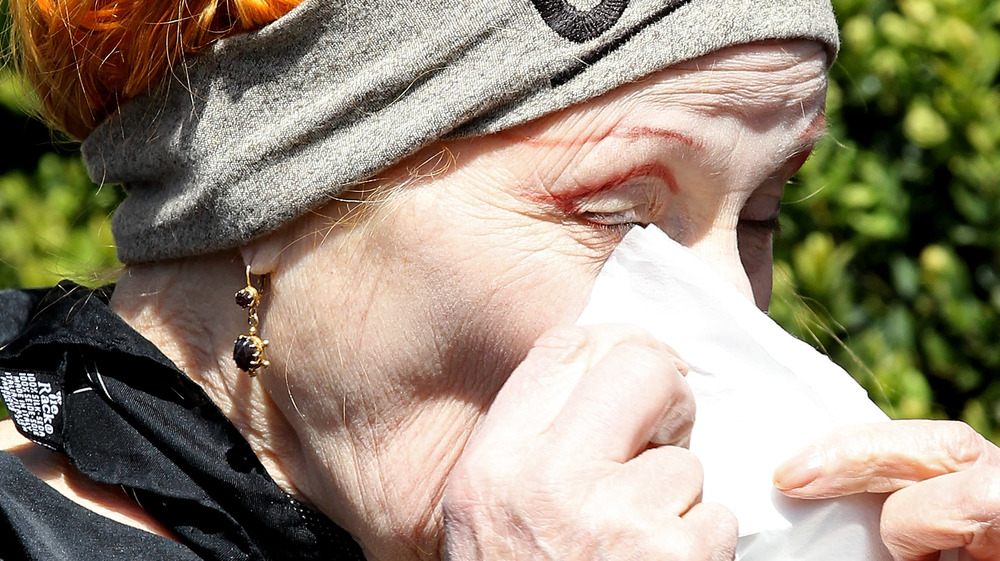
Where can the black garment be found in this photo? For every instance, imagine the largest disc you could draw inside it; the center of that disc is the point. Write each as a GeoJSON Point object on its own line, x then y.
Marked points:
{"type": "Point", "coordinates": [77, 379]}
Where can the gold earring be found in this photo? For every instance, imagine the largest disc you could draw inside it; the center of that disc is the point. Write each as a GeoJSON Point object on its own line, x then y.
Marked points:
{"type": "Point", "coordinates": [248, 352]}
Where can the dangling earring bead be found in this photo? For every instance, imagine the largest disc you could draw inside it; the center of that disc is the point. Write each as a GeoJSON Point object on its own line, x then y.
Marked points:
{"type": "Point", "coordinates": [248, 352]}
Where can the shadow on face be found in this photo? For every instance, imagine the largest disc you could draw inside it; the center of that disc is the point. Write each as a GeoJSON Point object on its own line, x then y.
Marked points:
{"type": "Point", "coordinates": [458, 258]}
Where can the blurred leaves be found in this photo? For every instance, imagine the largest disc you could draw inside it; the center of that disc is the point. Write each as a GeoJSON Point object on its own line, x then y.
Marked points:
{"type": "Point", "coordinates": [892, 246]}
{"type": "Point", "coordinates": [53, 223]}
{"type": "Point", "coordinates": [53, 219]}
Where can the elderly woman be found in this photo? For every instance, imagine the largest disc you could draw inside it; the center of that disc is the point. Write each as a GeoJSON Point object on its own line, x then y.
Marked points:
{"type": "Point", "coordinates": [411, 202]}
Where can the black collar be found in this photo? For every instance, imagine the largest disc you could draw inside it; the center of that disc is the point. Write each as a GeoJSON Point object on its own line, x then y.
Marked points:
{"type": "Point", "coordinates": [76, 378]}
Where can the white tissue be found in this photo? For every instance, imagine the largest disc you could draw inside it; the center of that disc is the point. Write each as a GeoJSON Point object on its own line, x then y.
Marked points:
{"type": "Point", "coordinates": [761, 394]}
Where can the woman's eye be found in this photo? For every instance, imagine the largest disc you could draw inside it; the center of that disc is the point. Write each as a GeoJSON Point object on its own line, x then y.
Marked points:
{"type": "Point", "coordinates": [634, 203]}
{"type": "Point", "coordinates": [624, 219]}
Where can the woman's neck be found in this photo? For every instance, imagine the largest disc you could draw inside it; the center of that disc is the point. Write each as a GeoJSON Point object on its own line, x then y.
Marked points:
{"type": "Point", "coordinates": [187, 309]}
{"type": "Point", "coordinates": [378, 478]}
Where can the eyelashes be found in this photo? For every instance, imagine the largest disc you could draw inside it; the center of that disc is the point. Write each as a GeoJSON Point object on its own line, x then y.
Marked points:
{"type": "Point", "coordinates": [627, 217]}
{"type": "Point", "coordinates": [623, 220]}
{"type": "Point", "coordinates": [769, 226]}
{"type": "Point", "coordinates": [637, 202]}
{"type": "Point", "coordinates": [617, 208]}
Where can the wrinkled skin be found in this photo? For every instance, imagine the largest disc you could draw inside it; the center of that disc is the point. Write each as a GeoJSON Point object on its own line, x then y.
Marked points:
{"type": "Point", "coordinates": [942, 476]}
{"type": "Point", "coordinates": [427, 389]}
{"type": "Point", "coordinates": [440, 293]}
{"type": "Point", "coordinates": [576, 461]}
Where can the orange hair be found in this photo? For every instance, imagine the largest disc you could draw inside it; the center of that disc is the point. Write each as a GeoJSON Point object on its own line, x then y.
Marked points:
{"type": "Point", "coordinates": [85, 57]}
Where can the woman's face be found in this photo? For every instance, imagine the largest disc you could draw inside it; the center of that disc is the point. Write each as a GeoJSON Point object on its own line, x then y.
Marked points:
{"type": "Point", "coordinates": [411, 317]}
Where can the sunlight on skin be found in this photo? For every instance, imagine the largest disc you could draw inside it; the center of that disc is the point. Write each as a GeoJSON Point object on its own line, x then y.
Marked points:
{"type": "Point", "coordinates": [392, 336]}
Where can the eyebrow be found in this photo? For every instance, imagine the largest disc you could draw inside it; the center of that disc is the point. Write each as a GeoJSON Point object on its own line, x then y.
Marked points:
{"type": "Point", "coordinates": [569, 201]}
{"type": "Point", "coordinates": [638, 133]}
{"type": "Point", "coordinates": [815, 130]}
{"type": "Point", "coordinates": [807, 139]}
{"type": "Point", "coordinates": [618, 131]}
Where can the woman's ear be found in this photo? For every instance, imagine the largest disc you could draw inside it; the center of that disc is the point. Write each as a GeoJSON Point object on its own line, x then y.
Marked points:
{"type": "Point", "coordinates": [263, 255]}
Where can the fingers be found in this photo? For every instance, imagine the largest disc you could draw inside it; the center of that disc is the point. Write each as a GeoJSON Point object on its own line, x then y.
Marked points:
{"type": "Point", "coordinates": [672, 479]}
{"type": "Point", "coordinates": [717, 526]}
{"type": "Point", "coordinates": [957, 510]}
{"type": "Point", "coordinates": [633, 395]}
{"type": "Point", "coordinates": [944, 480]}
{"type": "Point", "coordinates": [655, 498]}
{"type": "Point", "coordinates": [601, 391]}
{"type": "Point", "coordinates": [536, 391]}
{"type": "Point", "coordinates": [561, 465]}
{"type": "Point", "coordinates": [883, 457]}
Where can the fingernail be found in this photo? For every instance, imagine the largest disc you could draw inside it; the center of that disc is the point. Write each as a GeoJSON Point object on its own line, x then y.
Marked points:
{"type": "Point", "coordinates": [799, 470]}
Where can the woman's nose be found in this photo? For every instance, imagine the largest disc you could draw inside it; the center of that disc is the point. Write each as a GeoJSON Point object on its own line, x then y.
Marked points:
{"type": "Point", "coordinates": [720, 251]}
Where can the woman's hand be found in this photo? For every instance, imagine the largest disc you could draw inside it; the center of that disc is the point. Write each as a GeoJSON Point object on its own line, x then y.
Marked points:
{"type": "Point", "coordinates": [583, 456]}
{"type": "Point", "coordinates": [944, 480]}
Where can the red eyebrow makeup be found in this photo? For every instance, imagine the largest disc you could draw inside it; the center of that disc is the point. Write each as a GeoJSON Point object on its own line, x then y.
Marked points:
{"type": "Point", "coordinates": [568, 200]}
{"type": "Point", "coordinates": [618, 131]}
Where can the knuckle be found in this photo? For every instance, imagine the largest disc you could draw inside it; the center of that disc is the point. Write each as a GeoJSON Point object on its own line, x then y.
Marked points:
{"type": "Point", "coordinates": [689, 465]}
{"type": "Point", "coordinates": [581, 347]}
{"type": "Point", "coordinates": [654, 369]}
{"type": "Point", "coordinates": [674, 467]}
{"type": "Point", "coordinates": [557, 347]}
{"type": "Point", "coordinates": [575, 336]}
{"type": "Point", "coordinates": [964, 445]}
{"type": "Point", "coordinates": [713, 538]}
{"type": "Point", "coordinates": [724, 524]}
{"type": "Point", "coordinates": [904, 534]}
{"type": "Point", "coordinates": [674, 429]}
{"type": "Point", "coordinates": [621, 332]}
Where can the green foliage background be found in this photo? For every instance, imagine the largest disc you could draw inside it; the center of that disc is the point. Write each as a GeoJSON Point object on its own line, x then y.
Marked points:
{"type": "Point", "coordinates": [891, 246]}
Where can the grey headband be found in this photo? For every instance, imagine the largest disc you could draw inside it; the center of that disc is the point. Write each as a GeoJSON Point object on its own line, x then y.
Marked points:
{"type": "Point", "coordinates": [268, 125]}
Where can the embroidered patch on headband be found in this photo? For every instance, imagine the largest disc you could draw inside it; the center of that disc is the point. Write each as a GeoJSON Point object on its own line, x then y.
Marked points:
{"type": "Point", "coordinates": [580, 25]}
